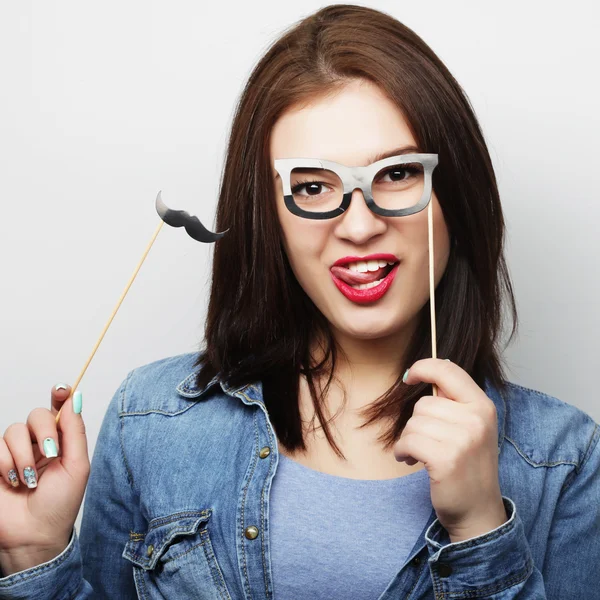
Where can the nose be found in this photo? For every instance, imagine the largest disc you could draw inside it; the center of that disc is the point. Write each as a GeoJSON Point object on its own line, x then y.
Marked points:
{"type": "Point", "coordinates": [359, 224]}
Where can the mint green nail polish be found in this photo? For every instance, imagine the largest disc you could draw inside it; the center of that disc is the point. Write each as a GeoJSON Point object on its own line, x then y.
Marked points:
{"type": "Point", "coordinates": [77, 398]}
{"type": "Point", "coordinates": [405, 376]}
{"type": "Point", "coordinates": [50, 448]}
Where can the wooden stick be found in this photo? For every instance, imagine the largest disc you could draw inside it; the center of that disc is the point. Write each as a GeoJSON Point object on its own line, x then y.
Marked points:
{"type": "Point", "coordinates": [89, 360]}
{"type": "Point", "coordinates": [432, 287]}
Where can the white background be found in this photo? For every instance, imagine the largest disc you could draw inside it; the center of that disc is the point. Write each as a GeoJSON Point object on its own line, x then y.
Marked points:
{"type": "Point", "coordinates": [103, 104]}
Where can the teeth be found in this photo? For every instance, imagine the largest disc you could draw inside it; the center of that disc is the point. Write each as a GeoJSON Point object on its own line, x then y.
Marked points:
{"type": "Point", "coordinates": [371, 265]}
{"type": "Point", "coordinates": [366, 286]}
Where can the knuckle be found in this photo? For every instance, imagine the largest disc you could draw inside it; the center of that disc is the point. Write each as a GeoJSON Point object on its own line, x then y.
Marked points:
{"type": "Point", "coordinates": [491, 414]}
{"type": "Point", "coordinates": [408, 427]}
{"type": "Point", "coordinates": [38, 414]}
{"type": "Point", "coordinates": [14, 429]}
{"type": "Point", "coordinates": [477, 426]}
{"type": "Point", "coordinates": [424, 404]}
{"type": "Point", "coordinates": [406, 438]}
{"type": "Point", "coordinates": [454, 458]}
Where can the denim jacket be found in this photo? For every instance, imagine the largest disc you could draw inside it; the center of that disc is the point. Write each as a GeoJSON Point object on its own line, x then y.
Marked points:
{"type": "Point", "coordinates": [177, 503]}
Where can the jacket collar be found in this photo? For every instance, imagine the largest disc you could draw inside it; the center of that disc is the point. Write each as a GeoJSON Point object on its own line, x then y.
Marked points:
{"type": "Point", "coordinates": [251, 393]}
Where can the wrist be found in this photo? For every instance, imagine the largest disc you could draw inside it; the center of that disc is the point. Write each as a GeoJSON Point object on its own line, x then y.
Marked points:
{"type": "Point", "coordinates": [21, 559]}
{"type": "Point", "coordinates": [489, 523]}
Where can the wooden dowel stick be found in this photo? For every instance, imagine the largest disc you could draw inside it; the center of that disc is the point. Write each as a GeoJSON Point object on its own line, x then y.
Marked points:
{"type": "Point", "coordinates": [432, 287]}
{"type": "Point", "coordinates": [89, 360]}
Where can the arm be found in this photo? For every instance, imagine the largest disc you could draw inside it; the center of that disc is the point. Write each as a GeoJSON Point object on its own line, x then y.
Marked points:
{"type": "Point", "coordinates": [572, 564]}
{"type": "Point", "coordinates": [504, 565]}
{"type": "Point", "coordinates": [91, 566]}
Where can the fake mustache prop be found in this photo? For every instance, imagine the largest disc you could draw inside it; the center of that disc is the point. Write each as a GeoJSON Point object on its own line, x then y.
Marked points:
{"type": "Point", "coordinates": [181, 218]}
{"type": "Point", "coordinates": [174, 218]}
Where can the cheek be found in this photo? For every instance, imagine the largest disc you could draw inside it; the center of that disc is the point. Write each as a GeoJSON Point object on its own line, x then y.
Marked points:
{"type": "Point", "coordinates": [304, 243]}
{"type": "Point", "coordinates": [414, 231]}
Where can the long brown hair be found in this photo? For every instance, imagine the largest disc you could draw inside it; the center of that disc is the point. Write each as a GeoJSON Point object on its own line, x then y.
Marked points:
{"type": "Point", "coordinates": [260, 322]}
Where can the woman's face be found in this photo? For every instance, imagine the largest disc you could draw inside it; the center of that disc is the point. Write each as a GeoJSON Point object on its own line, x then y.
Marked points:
{"type": "Point", "coordinates": [350, 128]}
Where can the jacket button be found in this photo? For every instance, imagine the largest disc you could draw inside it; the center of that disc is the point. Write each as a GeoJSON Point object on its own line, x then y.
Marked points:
{"type": "Point", "coordinates": [150, 550]}
{"type": "Point", "coordinates": [444, 570]}
{"type": "Point", "coordinates": [251, 532]}
{"type": "Point", "coordinates": [264, 452]}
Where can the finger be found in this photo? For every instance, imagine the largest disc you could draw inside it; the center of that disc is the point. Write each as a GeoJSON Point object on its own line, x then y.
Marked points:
{"type": "Point", "coordinates": [18, 439]}
{"type": "Point", "coordinates": [60, 392]}
{"type": "Point", "coordinates": [434, 428]}
{"type": "Point", "coordinates": [42, 424]}
{"type": "Point", "coordinates": [7, 465]}
{"type": "Point", "coordinates": [453, 381]}
{"type": "Point", "coordinates": [440, 408]}
{"type": "Point", "coordinates": [74, 440]}
{"type": "Point", "coordinates": [415, 446]}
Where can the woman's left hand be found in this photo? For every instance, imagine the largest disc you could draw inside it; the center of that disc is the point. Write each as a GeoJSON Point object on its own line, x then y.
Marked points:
{"type": "Point", "coordinates": [455, 435]}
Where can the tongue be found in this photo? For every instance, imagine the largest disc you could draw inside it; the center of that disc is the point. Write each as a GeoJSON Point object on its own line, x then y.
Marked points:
{"type": "Point", "coordinates": [355, 277]}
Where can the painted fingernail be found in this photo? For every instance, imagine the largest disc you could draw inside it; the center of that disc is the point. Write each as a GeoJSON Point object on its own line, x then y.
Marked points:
{"type": "Point", "coordinates": [13, 478]}
{"type": "Point", "coordinates": [30, 477]}
{"type": "Point", "coordinates": [50, 448]}
{"type": "Point", "coordinates": [61, 386]}
{"type": "Point", "coordinates": [77, 401]}
{"type": "Point", "coordinates": [405, 376]}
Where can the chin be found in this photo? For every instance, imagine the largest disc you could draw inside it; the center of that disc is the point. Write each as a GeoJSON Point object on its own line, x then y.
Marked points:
{"type": "Point", "coordinates": [367, 329]}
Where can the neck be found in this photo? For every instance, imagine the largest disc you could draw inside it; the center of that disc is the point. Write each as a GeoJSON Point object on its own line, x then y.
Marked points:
{"type": "Point", "coordinates": [368, 367]}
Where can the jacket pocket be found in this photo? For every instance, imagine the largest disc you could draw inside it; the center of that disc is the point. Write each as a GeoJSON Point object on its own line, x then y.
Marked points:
{"type": "Point", "coordinates": [174, 558]}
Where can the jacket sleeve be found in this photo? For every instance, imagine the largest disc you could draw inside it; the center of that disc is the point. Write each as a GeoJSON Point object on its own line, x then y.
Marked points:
{"type": "Point", "coordinates": [572, 565]}
{"type": "Point", "coordinates": [499, 564]}
{"type": "Point", "coordinates": [91, 566]}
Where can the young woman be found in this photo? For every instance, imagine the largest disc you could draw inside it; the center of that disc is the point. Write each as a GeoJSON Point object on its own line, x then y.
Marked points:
{"type": "Point", "coordinates": [295, 456]}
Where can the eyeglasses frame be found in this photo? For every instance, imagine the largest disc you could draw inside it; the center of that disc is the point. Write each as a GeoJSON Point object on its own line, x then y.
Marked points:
{"type": "Point", "coordinates": [356, 177]}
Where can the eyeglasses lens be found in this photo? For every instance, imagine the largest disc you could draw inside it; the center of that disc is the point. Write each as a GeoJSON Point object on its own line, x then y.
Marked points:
{"type": "Point", "coordinates": [393, 187]}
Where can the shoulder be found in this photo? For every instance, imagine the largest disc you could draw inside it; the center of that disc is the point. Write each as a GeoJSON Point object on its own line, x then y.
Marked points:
{"type": "Point", "coordinates": [545, 430]}
{"type": "Point", "coordinates": [153, 387]}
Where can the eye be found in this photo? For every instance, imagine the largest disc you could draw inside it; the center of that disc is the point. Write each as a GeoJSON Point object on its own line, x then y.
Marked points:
{"type": "Point", "coordinates": [314, 188]}
{"type": "Point", "coordinates": [400, 173]}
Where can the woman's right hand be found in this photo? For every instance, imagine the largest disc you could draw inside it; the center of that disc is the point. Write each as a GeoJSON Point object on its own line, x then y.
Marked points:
{"type": "Point", "coordinates": [36, 521]}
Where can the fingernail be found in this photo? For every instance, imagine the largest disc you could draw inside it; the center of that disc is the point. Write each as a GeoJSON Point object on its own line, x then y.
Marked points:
{"type": "Point", "coordinates": [13, 478]}
{"type": "Point", "coordinates": [77, 401]}
{"type": "Point", "coordinates": [405, 376]}
{"type": "Point", "coordinates": [50, 450]}
{"type": "Point", "coordinates": [447, 359]}
{"type": "Point", "coordinates": [30, 477]}
{"type": "Point", "coordinates": [61, 386]}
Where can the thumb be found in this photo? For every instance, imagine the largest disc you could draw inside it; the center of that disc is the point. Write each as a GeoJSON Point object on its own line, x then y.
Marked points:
{"type": "Point", "coordinates": [74, 439]}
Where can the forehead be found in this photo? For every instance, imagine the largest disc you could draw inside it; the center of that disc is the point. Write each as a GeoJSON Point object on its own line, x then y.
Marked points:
{"type": "Point", "coordinates": [349, 127]}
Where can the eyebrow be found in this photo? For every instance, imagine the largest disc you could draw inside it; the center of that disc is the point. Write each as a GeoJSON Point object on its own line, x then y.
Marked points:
{"type": "Point", "coordinates": [394, 152]}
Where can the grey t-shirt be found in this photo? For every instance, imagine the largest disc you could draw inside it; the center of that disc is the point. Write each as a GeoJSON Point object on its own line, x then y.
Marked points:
{"type": "Point", "coordinates": [338, 538]}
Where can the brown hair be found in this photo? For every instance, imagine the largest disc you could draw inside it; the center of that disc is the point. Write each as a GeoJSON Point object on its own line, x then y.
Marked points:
{"type": "Point", "coordinates": [260, 322]}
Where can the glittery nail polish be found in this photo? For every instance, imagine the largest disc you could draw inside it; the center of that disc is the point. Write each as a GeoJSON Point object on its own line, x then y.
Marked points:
{"type": "Point", "coordinates": [13, 478]}
{"type": "Point", "coordinates": [30, 477]}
